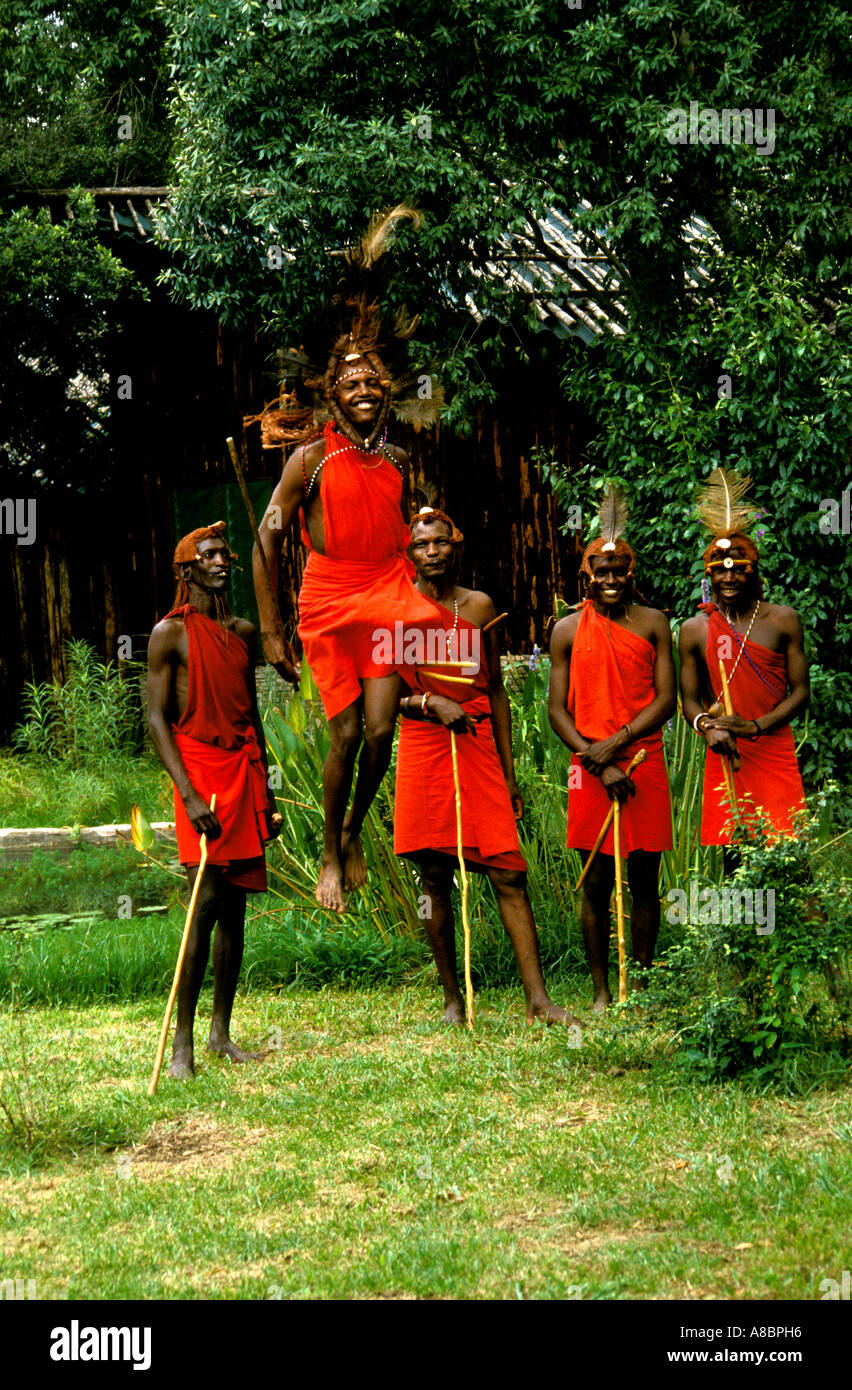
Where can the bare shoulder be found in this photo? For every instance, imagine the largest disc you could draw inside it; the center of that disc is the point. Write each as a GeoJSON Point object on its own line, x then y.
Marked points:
{"type": "Point", "coordinates": [245, 629]}
{"type": "Point", "coordinates": [784, 617]}
{"type": "Point", "coordinates": [563, 631]}
{"type": "Point", "coordinates": [656, 623]}
{"type": "Point", "coordinates": [166, 634]}
{"type": "Point", "coordinates": [693, 630]}
{"type": "Point", "coordinates": [563, 634]}
{"type": "Point", "coordinates": [477, 606]}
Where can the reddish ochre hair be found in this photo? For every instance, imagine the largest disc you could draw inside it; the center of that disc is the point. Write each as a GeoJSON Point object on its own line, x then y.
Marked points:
{"type": "Point", "coordinates": [621, 551]}
{"type": "Point", "coordinates": [737, 538]}
{"type": "Point", "coordinates": [186, 551]}
{"type": "Point", "coordinates": [426, 515]}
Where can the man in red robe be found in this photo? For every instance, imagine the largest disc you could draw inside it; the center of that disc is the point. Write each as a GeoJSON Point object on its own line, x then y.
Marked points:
{"type": "Point", "coordinates": [425, 827]}
{"type": "Point", "coordinates": [358, 581]}
{"type": "Point", "coordinates": [761, 647]}
{"type": "Point", "coordinates": [612, 687]}
{"type": "Point", "coordinates": [205, 725]}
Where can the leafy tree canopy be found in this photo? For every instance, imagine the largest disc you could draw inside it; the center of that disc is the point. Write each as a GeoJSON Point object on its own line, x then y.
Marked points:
{"type": "Point", "coordinates": [727, 263]}
{"type": "Point", "coordinates": [83, 94]}
{"type": "Point", "coordinates": [84, 102]}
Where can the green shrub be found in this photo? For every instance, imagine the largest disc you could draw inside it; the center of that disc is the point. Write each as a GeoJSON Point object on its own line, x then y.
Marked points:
{"type": "Point", "coordinates": [760, 986]}
{"type": "Point", "coordinates": [94, 716]}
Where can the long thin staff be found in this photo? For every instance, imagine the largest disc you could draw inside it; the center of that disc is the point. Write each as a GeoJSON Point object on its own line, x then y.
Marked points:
{"type": "Point", "coordinates": [495, 621]}
{"type": "Point", "coordinates": [468, 983]}
{"type": "Point", "coordinates": [164, 1031]}
{"type": "Point", "coordinates": [241, 479]}
{"type": "Point", "coordinates": [727, 766]}
{"type": "Point", "coordinates": [634, 763]}
{"type": "Point", "coordinates": [619, 903]}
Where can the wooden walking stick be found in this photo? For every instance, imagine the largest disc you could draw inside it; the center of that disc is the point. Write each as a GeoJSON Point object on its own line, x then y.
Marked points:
{"type": "Point", "coordinates": [495, 621]}
{"type": "Point", "coordinates": [634, 763]}
{"type": "Point", "coordinates": [164, 1031]}
{"type": "Point", "coordinates": [241, 479]}
{"type": "Point", "coordinates": [619, 903]}
{"type": "Point", "coordinates": [468, 983]}
{"type": "Point", "coordinates": [728, 766]}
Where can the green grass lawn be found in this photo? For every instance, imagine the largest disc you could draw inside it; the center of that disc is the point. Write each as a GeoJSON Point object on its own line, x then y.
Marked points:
{"type": "Point", "coordinates": [377, 1154]}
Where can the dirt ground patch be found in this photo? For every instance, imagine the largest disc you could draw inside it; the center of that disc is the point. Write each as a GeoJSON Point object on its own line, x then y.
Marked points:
{"type": "Point", "coordinates": [190, 1143]}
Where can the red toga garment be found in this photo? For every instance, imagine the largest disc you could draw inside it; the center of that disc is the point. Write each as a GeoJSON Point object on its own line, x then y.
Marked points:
{"type": "Point", "coordinates": [218, 744]}
{"type": "Point", "coordinates": [362, 586]}
{"type": "Point", "coordinates": [425, 811]}
{"type": "Point", "coordinates": [769, 779]}
{"type": "Point", "coordinates": [611, 681]}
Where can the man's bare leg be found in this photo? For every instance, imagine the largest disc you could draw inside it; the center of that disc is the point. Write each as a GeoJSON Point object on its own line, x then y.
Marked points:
{"type": "Point", "coordinates": [510, 885]}
{"type": "Point", "coordinates": [345, 731]}
{"type": "Point", "coordinates": [194, 966]}
{"type": "Point", "coordinates": [594, 920]}
{"type": "Point", "coordinates": [381, 703]}
{"type": "Point", "coordinates": [643, 875]}
{"type": "Point", "coordinates": [227, 959]}
{"type": "Point", "coordinates": [436, 881]}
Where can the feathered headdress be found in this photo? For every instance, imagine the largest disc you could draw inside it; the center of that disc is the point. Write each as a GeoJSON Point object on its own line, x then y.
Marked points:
{"type": "Point", "coordinates": [726, 514]}
{"type": "Point", "coordinates": [612, 515]}
{"type": "Point", "coordinates": [350, 330]}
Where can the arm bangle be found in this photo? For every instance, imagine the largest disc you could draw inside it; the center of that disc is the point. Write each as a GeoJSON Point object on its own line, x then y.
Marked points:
{"type": "Point", "coordinates": [424, 702]}
{"type": "Point", "coordinates": [702, 715]}
{"type": "Point", "coordinates": [752, 738]}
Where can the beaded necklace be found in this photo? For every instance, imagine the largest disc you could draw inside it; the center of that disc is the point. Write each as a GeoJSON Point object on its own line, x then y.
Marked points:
{"type": "Point", "coordinates": [744, 639]}
{"type": "Point", "coordinates": [377, 449]}
{"type": "Point", "coordinates": [450, 635]}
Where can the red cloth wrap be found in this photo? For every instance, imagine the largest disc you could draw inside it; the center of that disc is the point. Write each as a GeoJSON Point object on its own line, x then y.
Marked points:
{"type": "Point", "coordinates": [611, 681]}
{"type": "Point", "coordinates": [363, 582]}
{"type": "Point", "coordinates": [218, 744]}
{"type": "Point", "coordinates": [425, 810]}
{"type": "Point", "coordinates": [769, 778]}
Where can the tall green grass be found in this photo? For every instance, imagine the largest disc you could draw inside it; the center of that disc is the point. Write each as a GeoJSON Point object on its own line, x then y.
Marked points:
{"type": "Point", "coordinates": [94, 715]}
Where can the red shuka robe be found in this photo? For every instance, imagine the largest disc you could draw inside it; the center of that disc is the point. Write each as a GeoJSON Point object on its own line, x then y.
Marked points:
{"type": "Point", "coordinates": [611, 681]}
{"type": "Point", "coordinates": [218, 744]}
{"type": "Point", "coordinates": [425, 810]}
{"type": "Point", "coordinates": [769, 779]}
{"type": "Point", "coordinates": [362, 586]}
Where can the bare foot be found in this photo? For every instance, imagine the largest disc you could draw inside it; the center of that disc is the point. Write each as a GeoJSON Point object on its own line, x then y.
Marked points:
{"type": "Point", "coordinates": [330, 886]}
{"type": "Point", "coordinates": [601, 1001]}
{"type": "Point", "coordinates": [454, 1012]}
{"type": "Point", "coordinates": [183, 1062]}
{"type": "Point", "coordinates": [225, 1048]}
{"type": "Point", "coordinates": [354, 863]}
{"type": "Point", "coordinates": [548, 1012]}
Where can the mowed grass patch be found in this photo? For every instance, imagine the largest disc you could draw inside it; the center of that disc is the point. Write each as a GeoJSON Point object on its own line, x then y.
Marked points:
{"type": "Point", "coordinates": [378, 1154]}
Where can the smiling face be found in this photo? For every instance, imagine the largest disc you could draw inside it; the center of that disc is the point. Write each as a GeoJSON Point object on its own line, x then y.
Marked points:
{"type": "Point", "coordinates": [610, 586]}
{"type": "Point", "coordinates": [432, 551]}
{"type": "Point", "coordinates": [359, 393]}
{"type": "Point", "coordinates": [734, 579]}
{"type": "Point", "coordinates": [211, 569]}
